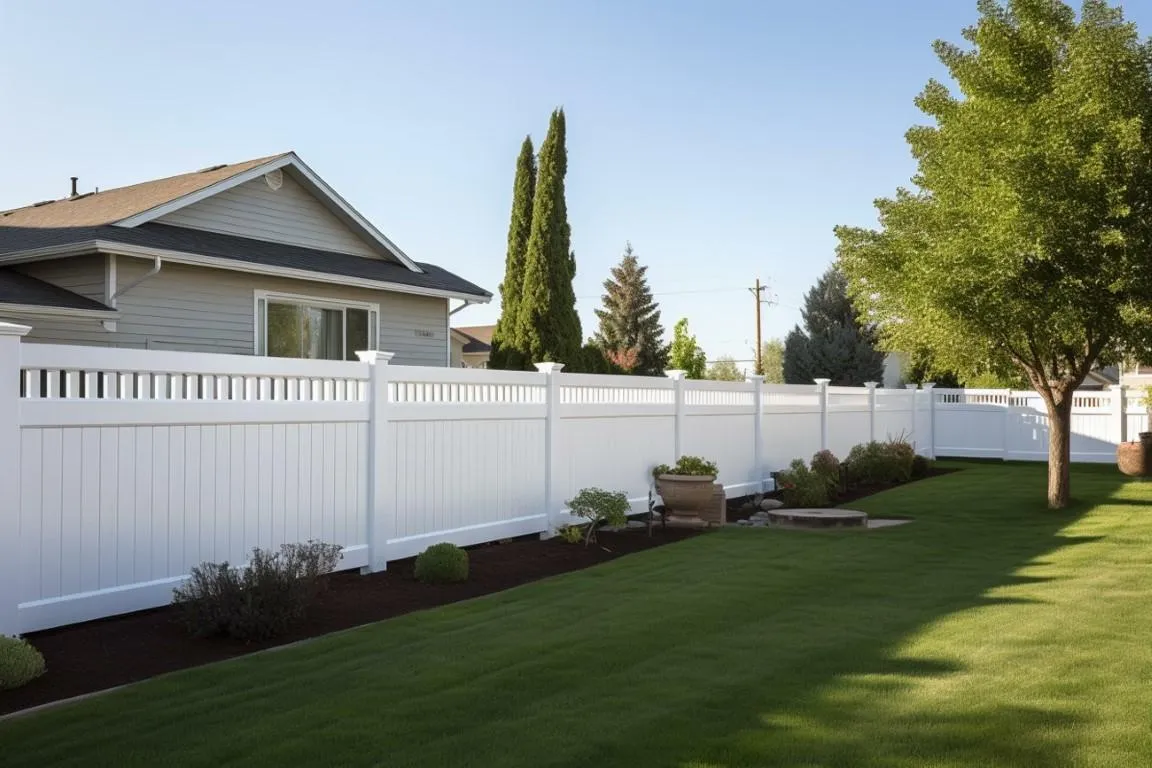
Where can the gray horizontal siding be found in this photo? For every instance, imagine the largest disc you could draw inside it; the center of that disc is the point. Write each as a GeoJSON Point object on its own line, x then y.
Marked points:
{"type": "Point", "coordinates": [198, 309]}
{"type": "Point", "coordinates": [83, 275]}
{"type": "Point", "coordinates": [287, 215]}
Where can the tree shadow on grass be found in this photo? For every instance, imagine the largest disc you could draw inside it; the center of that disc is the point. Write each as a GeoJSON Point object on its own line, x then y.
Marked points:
{"type": "Point", "coordinates": [877, 710]}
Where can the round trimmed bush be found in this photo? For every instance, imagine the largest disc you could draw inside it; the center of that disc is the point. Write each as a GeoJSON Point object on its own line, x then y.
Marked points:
{"type": "Point", "coordinates": [20, 662]}
{"type": "Point", "coordinates": [442, 563]}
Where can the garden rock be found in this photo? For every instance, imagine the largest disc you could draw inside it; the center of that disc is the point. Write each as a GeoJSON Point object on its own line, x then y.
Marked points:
{"type": "Point", "coordinates": [744, 522]}
{"type": "Point", "coordinates": [767, 505]}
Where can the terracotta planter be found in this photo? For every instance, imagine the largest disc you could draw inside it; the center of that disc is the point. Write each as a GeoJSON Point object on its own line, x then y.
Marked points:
{"type": "Point", "coordinates": [686, 496]}
{"type": "Point", "coordinates": [1133, 458]}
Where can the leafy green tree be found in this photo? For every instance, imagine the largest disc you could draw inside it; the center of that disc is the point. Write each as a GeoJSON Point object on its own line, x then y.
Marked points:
{"type": "Point", "coordinates": [1027, 238]}
{"type": "Point", "coordinates": [507, 352]}
{"type": "Point", "coordinates": [685, 354]}
{"type": "Point", "coordinates": [724, 368]}
{"type": "Point", "coordinates": [548, 327]}
{"type": "Point", "coordinates": [630, 332]}
{"type": "Point", "coordinates": [834, 343]}
{"type": "Point", "coordinates": [772, 361]}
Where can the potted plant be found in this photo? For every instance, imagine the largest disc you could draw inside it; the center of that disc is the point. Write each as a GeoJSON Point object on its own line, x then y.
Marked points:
{"type": "Point", "coordinates": [1135, 458]}
{"type": "Point", "coordinates": [686, 488]}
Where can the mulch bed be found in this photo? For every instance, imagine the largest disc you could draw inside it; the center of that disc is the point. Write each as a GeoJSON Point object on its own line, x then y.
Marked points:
{"type": "Point", "coordinates": [102, 654]}
{"type": "Point", "coordinates": [738, 511]}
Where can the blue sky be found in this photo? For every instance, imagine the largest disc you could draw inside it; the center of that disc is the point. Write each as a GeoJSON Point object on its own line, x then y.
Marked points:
{"type": "Point", "coordinates": [724, 139]}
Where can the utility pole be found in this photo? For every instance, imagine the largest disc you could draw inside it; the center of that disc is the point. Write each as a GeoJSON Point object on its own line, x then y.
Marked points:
{"type": "Point", "coordinates": [758, 293]}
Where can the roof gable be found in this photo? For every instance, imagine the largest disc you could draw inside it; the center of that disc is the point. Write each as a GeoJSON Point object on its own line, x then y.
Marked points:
{"type": "Point", "coordinates": [277, 208]}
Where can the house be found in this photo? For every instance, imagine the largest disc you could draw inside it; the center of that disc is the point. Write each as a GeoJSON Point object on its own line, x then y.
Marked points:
{"type": "Point", "coordinates": [472, 346]}
{"type": "Point", "coordinates": [254, 258]}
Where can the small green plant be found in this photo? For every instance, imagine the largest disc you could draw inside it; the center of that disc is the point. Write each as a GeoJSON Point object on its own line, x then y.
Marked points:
{"type": "Point", "coordinates": [259, 601]}
{"type": "Point", "coordinates": [900, 456]}
{"type": "Point", "coordinates": [442, 563]}
{"type": "Point", "coordinates": [826, 465]}
{"type": "Point", "coordinates": [573, 534]}
{"type": "Point", "coordinates": [865, 465]}
{"type": "Point", "coordinates": [920, 467]}
{"type": "Point", "coordinates": [802, 487]}
{"type": "Point", "coordinates": [599, 507]}
{"type": "Point", "coordinates": [20, 662]}
{"type": "Point", "coordinates": [687, 465]}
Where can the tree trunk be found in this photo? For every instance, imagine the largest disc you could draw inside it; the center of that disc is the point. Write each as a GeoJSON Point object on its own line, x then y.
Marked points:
{"type": "Point", "coordinates": [1059, 449]}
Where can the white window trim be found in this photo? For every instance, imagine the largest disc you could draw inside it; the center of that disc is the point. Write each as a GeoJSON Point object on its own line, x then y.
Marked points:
{"type": "Point", "coordinates": [260, 334]}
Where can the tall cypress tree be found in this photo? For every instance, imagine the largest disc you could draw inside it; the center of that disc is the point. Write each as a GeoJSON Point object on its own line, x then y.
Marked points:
{"type": "Point", "coordinates": [507, 351]}
{"type": "Point", "coordinates": [630, 332]}
{"type": "Point", "coordinates": [548, 327]}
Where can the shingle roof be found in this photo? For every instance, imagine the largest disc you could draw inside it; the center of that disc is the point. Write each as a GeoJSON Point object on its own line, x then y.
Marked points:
{"type": "Point", "coordinates": [480, 337]}
{"type": "Point", "coordinates": [111, 205]}
{"type": "Point", "coordinates": [17, 288]}
{"type": "Point", "coordinates": [242, 249]}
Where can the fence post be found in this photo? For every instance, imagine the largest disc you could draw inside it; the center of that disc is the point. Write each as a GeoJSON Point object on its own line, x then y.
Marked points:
{"type": "Point", "coordinates": [931, 441]}
{"type": "Point", "coordinates": [1120, 413]}
{"type": "Point", "coordinates": [913, 387]}
{"type": "Point", "coordinates": [1005, 438]}
{"type": "Point", "coordinates": [871, 409]}
{"type": "Point", "coordinates": [10, 375]}
{"type": "Point", "coordinates": [757, 383]}
{"type": "Point", "coordinates": [822, 398]}
{"type": "Point", "coordinates": [678, 393]}
{"type": "Point", "coordinates": [381, 511]}
{"type": "Point", "coordinates": [551, 444]}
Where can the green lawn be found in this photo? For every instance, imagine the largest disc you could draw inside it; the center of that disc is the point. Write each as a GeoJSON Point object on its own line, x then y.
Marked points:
{"type": "Point", "coordinates": [990, 632]}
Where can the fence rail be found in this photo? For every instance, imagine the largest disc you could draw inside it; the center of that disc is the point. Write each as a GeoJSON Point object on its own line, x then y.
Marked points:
{"type": "Point", "coordinates": [123, 469]}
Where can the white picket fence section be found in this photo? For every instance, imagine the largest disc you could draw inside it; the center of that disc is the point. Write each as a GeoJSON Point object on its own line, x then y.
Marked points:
{"type": "Point", "coordinates": [122, 469]}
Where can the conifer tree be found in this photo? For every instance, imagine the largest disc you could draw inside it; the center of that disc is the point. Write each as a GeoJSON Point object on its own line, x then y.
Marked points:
{"type": "Point", "coordinates": [835, 343]}
{"type": "Point", "coordinates": [548, 327]}
{"type": "Point", "coordinates": [630, 332]}
{"type": "Point", "coordinates": [506, 349]}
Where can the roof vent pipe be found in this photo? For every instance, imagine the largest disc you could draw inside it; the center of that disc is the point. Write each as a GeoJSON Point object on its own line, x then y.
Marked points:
{"type": "Point", "coordinates": [74, 180]}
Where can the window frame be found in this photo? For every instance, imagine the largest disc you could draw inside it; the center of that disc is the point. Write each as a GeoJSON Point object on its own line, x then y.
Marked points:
{"type": "Point", "coordinates": [261, 299]}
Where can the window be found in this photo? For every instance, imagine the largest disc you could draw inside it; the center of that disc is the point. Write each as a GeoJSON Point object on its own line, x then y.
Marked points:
{"type": "Point", "coordinates": [314, 329]}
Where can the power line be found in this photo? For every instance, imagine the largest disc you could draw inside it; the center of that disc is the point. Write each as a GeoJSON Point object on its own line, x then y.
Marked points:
{"type": "Point", "coordinates": [674, 293]}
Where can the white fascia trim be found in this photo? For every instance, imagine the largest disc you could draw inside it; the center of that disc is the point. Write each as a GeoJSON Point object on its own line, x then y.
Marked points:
{"type": "Point", "coordinates": [235, 265]}
{"type": "Point", "coordinates": [38, 309]}
{"type": "Point", "coordinates": [290, 159]}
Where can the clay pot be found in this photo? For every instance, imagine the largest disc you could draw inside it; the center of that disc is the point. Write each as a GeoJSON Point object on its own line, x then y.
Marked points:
{"type": "Point", "coordinates": [1133, 458]}
{"type": "Point", "coordinates": [686, 496]}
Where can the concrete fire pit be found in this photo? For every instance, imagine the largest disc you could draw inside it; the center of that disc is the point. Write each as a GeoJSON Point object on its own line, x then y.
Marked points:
{"type": "Point", "coordinates": [817, 518]}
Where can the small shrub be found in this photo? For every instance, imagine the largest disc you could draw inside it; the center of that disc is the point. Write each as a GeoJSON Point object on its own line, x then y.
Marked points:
{"type": "Point", "coordinates": [442, 563]}
{"type": "Point", "coordinates": [20, 662]}
{"type": "Point", "coordinates": [259, 601]}
{"type": "Point", "coordinates": [599, 507]}
{"type": "Point", "coordinates": [920, 467]}
{"type": "Point", "coordinates": [573, 534]}
{"type": "Point", "coordinates": [687, 465]}
{"type": "Point", "coordinates": [866, 465]}
{"type": "Point", "coordinates": [802, 487]}
{"type": "Point", "coordinates": [826, 465]}
{"type": "Point", "coordinates": [899, 456]}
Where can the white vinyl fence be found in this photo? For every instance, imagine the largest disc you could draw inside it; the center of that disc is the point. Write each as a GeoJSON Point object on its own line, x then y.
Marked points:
{"type": "Point", "coordinates": [122, 469]}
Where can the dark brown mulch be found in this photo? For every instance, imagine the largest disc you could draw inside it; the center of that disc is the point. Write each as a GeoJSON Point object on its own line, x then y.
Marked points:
{"type": "Point", "coordinates": [737, 511]}
{"type": "Point", "coordinates": [110, 652]}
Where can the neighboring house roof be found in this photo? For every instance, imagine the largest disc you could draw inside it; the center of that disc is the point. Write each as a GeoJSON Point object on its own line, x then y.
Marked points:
{"type": "Point", "coordinates": [22, 290]}
{"type": "Point", "coordinates": [123, 221]}
{"type": "Point", "coordinates": [479, 337]}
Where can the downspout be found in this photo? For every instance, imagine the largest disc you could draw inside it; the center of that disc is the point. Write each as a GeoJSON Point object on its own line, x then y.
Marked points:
{"type": "Point", "coordinates": [114, 293]}
{"type": "Point", "coordinates": [449, 323]}
{"type": "Point", "coordinates": [465, 305]}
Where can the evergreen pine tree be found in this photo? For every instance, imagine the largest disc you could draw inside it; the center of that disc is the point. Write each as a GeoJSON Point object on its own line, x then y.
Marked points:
{"type": "Point", "coordinates": [506, 349]}
{"type": "Point", "coordinates": [834, 344]}
{"type": "Point", "coordinates": [630, 332]}
{"type": "Point", "coordinates": [548, 327]}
